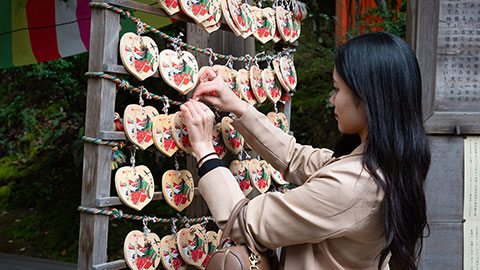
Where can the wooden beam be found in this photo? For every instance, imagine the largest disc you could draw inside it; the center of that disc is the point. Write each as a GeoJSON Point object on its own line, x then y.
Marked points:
{"type": "Point", "coordinates": [160, 12]}
{"type": "Point", "coordinates": [447, 122]}
{"type": "Point", "coordinates": [114, 200]}
{"type": "Point", "coordinates": [119, 69]}
{"type": "Point", "coordinates": [93, 237]}
{"type": "Point", "coordinates": [113, 135]}
{"type": "Point", "coordinates": [118, 264]}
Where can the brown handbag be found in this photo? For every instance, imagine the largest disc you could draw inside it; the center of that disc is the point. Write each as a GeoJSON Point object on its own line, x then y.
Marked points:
{"type": "Point", "coordinates": [244, 256]}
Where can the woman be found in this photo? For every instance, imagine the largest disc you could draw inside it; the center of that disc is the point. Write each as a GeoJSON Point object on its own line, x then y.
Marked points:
{"type": "Point", "coordinates": [355, 208]}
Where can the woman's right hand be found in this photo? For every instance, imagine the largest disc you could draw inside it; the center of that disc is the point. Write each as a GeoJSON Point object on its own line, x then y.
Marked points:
{"type": "Point", "coordinates": [214, 90]}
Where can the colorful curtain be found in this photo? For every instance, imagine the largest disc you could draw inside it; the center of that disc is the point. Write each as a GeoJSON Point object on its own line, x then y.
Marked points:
{"type": "Point", "coordinates": [33, 31]}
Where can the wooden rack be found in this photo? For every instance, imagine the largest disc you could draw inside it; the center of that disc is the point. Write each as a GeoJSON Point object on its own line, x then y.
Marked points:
{"type": "Point", "coordinates": [104, 38]}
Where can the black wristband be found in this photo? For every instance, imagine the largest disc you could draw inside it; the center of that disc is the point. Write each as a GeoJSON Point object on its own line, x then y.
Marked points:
{"type": "Point", "coordinates": [209, 165]}
{"type": "Point", "coordinates": [204, 157]}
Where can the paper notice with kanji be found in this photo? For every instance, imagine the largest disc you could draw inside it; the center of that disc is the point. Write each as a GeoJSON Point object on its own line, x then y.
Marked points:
{"type": "Point", "coordinates": [471, 204]}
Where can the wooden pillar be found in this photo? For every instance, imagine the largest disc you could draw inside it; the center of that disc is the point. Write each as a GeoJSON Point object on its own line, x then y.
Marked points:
{"type": "Point", "coordinates": [97, 158]}
{"type": "Point", "coordinates": [443, 35]}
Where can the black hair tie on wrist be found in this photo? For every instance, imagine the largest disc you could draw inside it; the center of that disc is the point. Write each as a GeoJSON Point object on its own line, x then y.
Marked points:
{"type": "Point", "coordinates": [204, 157]}
{"type": "Point", "coordinates": [209, 165]}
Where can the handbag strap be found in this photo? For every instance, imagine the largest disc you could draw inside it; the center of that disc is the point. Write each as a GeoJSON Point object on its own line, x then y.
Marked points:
{"type": "Point", "coordinates": [248, 239]}
{"type": "Point", "coordinates": [231, 220]}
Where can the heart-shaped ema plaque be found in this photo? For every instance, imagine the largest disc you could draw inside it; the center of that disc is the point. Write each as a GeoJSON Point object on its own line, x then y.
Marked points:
{"type": "Point", "coordinates": [228, 18]}
{"type": "Point", "coordinates": [212, 242]}
{"type": "Point", "coordinates": [277, 176]}
{"type": "Point", "coordinates": [163, 135]}
{"type": "Point", "coordinates": [259, 175]}
{"type": "Point", "coordinates": [271, 14]}
{"type": "Point", "coordinates": [170, 6]}
{"type": "Point", "coordinates": [272, 88]}
{"type": "Point", "coordinates": [141, 252]}
{"type": "Point", "coordinates": [139, 55]}
{"type": "Point", "coordinates": [179, 70]}
{"type": "Point", "coordinates": [249, 20]}
{"type": "Point", "coordinates": [135, 187]}
{"type": "Point", "coordinates": [212, 28]}
{"type": "Point", "coordinates": [238, 17]}
{"type": "Point", "coordinates": [241, 173]}
{"type": "Point", "coordinates": [178, 190]}
{"type": "Point", "coordinates": [230, 77]}
{"type": "Point", "coordinates": [196, 9]}
{"type": "Point", "coordinates": [243, 83]}
{"type": "Point", "coordinates": [180, 133]}
{"type": "Point", "coordinates": [257, 84]}
{"type": "Point", "coordinates": [279, 120]}
{"type": "Point", "coordinates": [264, 28]}
{"type": "Point", "coordinates": [279, 75]}
{"type": "Point", "coordinates": [138, 123]}
{"type": "Point", "coordinates": [233, 139]}
{"type": "Point", "coordinates": [217, 140]}
{"type": "Point", "coordinates": [171, 258]}
{"type": "Point", "coordinates": [192, 245]}
{"type": "Point", "coordinates": [296, 29]}
{"type": "Point", "coordinates": [214, 14]}
{"type": "Point", "coordinates": [288, 72]}
{"type": "Point", "coordinates": [284, 23]}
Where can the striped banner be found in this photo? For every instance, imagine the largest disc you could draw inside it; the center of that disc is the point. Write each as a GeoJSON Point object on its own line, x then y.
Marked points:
{"type": "Point", "coordinates": [34, 31]}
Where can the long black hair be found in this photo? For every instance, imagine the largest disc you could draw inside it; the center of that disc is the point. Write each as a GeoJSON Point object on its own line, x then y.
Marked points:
{"type": "Point", "coordinates": [382, 71]}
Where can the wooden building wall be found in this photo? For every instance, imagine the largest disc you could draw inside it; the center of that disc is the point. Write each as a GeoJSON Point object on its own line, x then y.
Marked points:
{"type": "Point", "coordinates": [446, 37]}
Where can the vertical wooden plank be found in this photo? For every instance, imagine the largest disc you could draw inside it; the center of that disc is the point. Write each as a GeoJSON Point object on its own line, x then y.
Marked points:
{"type": "Point", "coordinates": [444, 184]}
{"type": "Point", "coordinates": [426, 49]}
{"type": "Point", "coordinates": [198, 37]}
{"type": "Point", "coordinates": [412, 23]}
{"type": "Point", "coordinates": [444, 195]}
{"type": "Point", "coordinates": [97, 159]}
{"type": "Point", "coordinates": [225, 43]}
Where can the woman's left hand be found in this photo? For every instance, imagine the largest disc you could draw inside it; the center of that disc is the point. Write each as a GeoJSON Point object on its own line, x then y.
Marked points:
{"type": "Point", "coordinates": [199, 122]}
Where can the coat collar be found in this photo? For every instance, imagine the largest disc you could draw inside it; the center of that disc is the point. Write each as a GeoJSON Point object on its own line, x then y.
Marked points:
{"type": "Point", "coordinates": [356, 152]}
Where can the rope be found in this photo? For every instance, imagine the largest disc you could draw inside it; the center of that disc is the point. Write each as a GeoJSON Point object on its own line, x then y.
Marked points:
{"type": "Point", "coordinates": [118, 214]}
{"type": "Point", "coordinates": [124, 84]}
{"type": "Point", "coordinates": [128, 15]}
{"type": "Point", "coordinates": [116, 145]}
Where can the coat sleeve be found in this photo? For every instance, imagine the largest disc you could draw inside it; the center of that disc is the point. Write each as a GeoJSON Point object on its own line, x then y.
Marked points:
{"type": "Point", "coordinates": [296, 162]}
{"type": "Point", "coordinates": [329, 205]}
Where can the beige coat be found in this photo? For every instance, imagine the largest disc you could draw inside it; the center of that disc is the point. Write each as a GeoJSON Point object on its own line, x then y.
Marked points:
{"type": "Point", "coordinates": [333, 220]}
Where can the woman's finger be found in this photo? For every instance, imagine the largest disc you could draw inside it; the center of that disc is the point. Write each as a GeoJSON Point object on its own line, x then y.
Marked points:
{"type": "Point", "coordinates": [192, 110]}
{"type": "Point", "coordinates": [204, 75]}
{"type": "Point", "coordinates": [202, 112]}
{"type": "Point", "coordinates": [186, 111]}
{"type": "Point", "coordinates": [203, 106]}
{"type": "Point", "coordinates": [206, 88]}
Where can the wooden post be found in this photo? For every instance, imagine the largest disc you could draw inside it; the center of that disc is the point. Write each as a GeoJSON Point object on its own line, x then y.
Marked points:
{"type": "Point", "coordinates": [222, 42]}
{"type": "Point", "coordinates": [97, 158]}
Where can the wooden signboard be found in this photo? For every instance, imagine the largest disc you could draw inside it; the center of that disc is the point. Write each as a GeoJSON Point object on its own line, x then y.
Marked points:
{"type": "Point", "coordinates": [447, 42]}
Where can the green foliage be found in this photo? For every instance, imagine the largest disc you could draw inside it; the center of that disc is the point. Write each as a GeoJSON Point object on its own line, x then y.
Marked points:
{"type": "Point", "coordinates": [42, 113]}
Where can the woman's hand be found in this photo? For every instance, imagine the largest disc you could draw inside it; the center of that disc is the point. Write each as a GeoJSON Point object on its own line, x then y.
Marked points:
{"type": "Point", "coordinates": [214, 90]}
{"type": "Point", "coordinates": [199, 121]}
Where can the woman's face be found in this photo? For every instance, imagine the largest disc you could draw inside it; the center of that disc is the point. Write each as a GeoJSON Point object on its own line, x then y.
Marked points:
{"type": "Point", "coordinates": [351, 117]}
